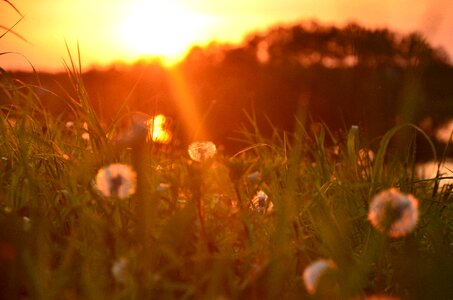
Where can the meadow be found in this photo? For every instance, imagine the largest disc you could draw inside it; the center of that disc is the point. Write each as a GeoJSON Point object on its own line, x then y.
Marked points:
{"type": "Point", "coordinates": [90, 210]}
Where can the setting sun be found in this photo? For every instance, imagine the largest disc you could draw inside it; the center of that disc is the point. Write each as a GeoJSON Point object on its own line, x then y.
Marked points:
{"type": "Point", "coordinates": [165, 29]}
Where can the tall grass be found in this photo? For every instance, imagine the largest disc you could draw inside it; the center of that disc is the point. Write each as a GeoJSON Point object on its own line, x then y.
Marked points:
{"type": "Point", "coordinates": [198, 237]}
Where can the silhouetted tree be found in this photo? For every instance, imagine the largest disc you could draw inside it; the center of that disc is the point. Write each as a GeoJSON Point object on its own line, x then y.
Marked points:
{"type": "Point", "coordinates": [340, 75]}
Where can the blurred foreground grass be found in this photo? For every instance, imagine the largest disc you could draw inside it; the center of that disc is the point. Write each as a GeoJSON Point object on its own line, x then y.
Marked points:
{"type": "Point", "coordinates": [208, 227]}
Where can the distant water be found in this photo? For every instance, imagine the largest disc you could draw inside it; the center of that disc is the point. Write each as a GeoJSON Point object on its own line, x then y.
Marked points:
{"type": "Point", "coordinates": [428, 170]}
{"type": "Point", "coordinates": [444, 132]}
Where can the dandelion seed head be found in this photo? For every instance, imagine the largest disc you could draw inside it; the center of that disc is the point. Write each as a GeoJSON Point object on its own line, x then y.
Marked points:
{"type": "Point", "coordinates": [132, 129]}
{"type": "Point", "coordinates": [181, 202]}
{"type": "Point", "coordinates": [119, 270]}
{"type": "Point", "coordinates": [254, 177]}
{"type": "Point", "coordinates": [69, 124]}
{"type": "Point", "coordinates": [26, 223]}
{"type": "Point", "coordinates": [313, 273]}
{"type": "Point", "coordinates": [365, 157]}
{"type": "Point", "coordinates": [140, 126]}
{"type": "Point", "coordinates": [261, 203]}
{"type": "Point", "coordinates": [116, 180]}
{"type": "Point", "coordinates": [393, 212]}
{"type": "Point", "coordinates": [162, 187]}
{"type": "Point", "coordinates": [202, 151]}
{"type": "Point", "coordinates": [85, 135]}
{"type": "Point", "coordinates": [336, 150]}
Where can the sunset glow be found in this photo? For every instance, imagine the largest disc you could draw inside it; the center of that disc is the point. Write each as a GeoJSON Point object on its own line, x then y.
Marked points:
{"type": "Point", "coordinates": [164, 29]}
{"type": "Point", "coordinates": [119, 30]}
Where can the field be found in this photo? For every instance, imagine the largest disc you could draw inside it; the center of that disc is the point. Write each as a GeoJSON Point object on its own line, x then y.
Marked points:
{"type": "Point", "coordinates": [96, 211]}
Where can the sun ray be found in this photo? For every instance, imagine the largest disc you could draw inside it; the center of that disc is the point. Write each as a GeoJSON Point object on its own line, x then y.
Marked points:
{"type": "Point", "coordinates": [188, 111]}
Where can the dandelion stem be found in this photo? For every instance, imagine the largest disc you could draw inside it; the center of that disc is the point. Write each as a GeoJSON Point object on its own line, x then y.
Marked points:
{"type": "Point", "coordinates": [211, 247]}
{"type": "Point", "coordinates": [143, 208]}
{"type": "Point", "coordinates": [238, 193]}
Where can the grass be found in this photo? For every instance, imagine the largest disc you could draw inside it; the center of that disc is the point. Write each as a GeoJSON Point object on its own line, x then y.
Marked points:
{"type": "Point", "coordinates": [196, 237]}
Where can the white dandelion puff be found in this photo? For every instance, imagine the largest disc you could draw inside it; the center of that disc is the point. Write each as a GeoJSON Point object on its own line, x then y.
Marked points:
{"type": "Point", "coordinates": [116, 180]}
{"type": "Point", "coordinates": [181, 203]}
{"type": "Point", "coordinates": [85, 134]}
{"type": "Point", "coordinates": [132, 129]}
{"type": "Point", "coordinates": [162, 187]}
{"type": "Point", "coordinates": [254, 177]}
{"type": "Point", "coordinates": [336, 150]}
{"type": "Point", "coordinates": [140, 126]}
{"type": "Point", "coordinates": [202, 151]}
{"type": "Point", "coordinates": [26, 223]}
{"type": "Point", "coordinates": [119, 270]}
{"type": "Point", "coordinates": [261, 203]}
{"type": "Point", "coordinates": [393, 212]}
{"type": "Point", "coordinates": [69, 124]}
{"type": "Point", "coordinates": [365, 157]}
{"type": "Point", "coordinates": [314, 272]}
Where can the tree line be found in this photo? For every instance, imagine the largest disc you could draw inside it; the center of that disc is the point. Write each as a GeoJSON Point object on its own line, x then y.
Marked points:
{"type": "Point", "coordinates": [340, 76]}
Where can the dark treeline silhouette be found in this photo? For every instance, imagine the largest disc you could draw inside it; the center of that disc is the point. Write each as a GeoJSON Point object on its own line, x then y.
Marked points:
{"type": "Point", "coordinates": [373, 78]}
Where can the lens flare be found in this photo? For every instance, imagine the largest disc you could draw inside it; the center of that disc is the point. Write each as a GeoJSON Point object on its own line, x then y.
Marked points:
{"type": "Point", "coordinates": [158, 131]}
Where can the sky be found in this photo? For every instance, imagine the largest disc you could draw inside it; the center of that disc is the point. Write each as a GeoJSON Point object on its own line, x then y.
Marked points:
{"type": "Point", "coordinates": [123, 30]}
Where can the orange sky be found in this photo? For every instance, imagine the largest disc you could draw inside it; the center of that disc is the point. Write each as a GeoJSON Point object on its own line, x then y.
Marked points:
{"type": "Point", "coordinates": [122, 30]}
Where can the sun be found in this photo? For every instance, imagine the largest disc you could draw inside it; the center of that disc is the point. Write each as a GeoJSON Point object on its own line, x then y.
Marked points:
{"type": "Point", "coordinates": [161, 28]}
